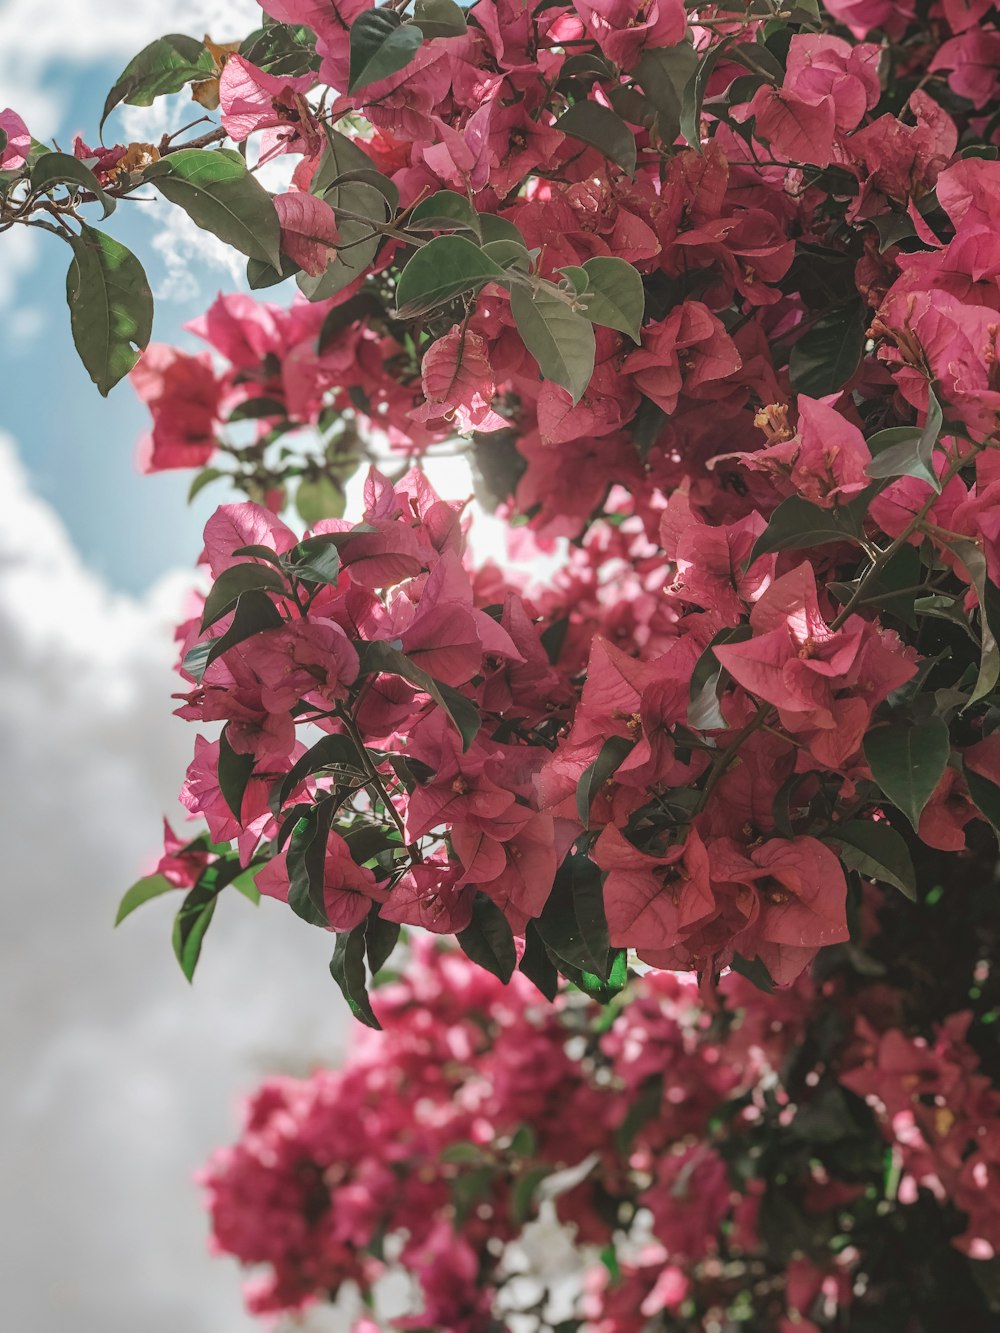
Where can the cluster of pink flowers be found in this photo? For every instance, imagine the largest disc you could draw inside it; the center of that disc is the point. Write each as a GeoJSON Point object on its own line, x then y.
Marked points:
{"type": "Point", "coordinates": [478, 1108]}
{"type": "Point", "coordinates": [493, 732]}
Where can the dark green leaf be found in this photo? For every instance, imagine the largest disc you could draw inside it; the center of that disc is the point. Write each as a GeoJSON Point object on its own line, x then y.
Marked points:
{"type": "Point", "coordinates": [704, 712]}
{"type": "Point", "coordinates": [559, 338]}
{"type": "Point", "coordinates": [164, 66]}
{"type": "Point", "coordinates": [382, 657]}
{"type": "Point", "coordinates": [573, 925]}
{"type": "Point", "coordinates": [190, 925]}
{"type": "Point", "coordinates": [253, 409]}
{"type": "Point", "coordinates": [235, 771]}
{"type": "Point", "coordinates": [488, 939]}
{"type": "Point", "coordinates": [826, 356]}
{"type": "Point", "coordinates": [445, 211]}
{"type": "Point", "coordinates": [151, 886]}
{"type": "Point", "coordinates": [347, 967]}
{"type": "Point", "coordinates": [53, 169]}
{"type": "Point", "coordinates": [612, 754]}
{"type": "Point", "coordinates": [282, 49]}
{"type": "Point", "coordinates": [755, 972]}
{"type": "Point", "coordinates": [110, 306]}
{"type": "Point", "coordinates": [796, 524]}
{"type": "Point", "coordinates": [614, 296]}
{"type": "Point", "coordinates": [907, 760]}
{"type": "Point", "coordinates": [522, 1195]}
{"type": "Point", "coordinates": [380, 940]}
{"type": "Point", "coordinates": [230, 586]}
{"type": "Point", "coordinates": [219, 194]}
{"type": "Point", "coordinates": [441, 270]}
{"type": "Point", "coordinates": [693, 96]}
{"type": "Point", "coordinates": [439, 18]}
{"type": "Point", "coordinates": [381, 45]}
{"type": "Point", "coordinates": [876, 851]}
{"type": "Point", "coordinates": [664, 73]}
{"type": "Point", "coordinates": [972, 557]}
{"type": "Point", "coordinates": [911, 455]}
{"type": "Point", "coordinates": [536, 964]}
{"type": "Point", "coordinates": [599, 127]}
{"type": "Point", "coordinates": [986, 795]}
{"type": "Point", "coordinates": [334, 751]}
{"type": "Point", "coordinates": [307, 863]}
{"type": "Point", "coordinates": [255, 612]}
{"type": "Point", "coordinates": [317, 560]}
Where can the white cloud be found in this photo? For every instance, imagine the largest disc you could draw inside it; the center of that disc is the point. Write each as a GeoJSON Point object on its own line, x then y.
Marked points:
{"type": "Point", "coordinates": [36, 40]}
{"type": "Point", "coordinates": [35, 37]}
{"type": "Point", "coordinates": [118, 1078]}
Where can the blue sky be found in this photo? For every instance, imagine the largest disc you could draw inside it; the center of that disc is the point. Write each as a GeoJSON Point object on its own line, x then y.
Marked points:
{"type": "Point", "coordinates": [79, 448]}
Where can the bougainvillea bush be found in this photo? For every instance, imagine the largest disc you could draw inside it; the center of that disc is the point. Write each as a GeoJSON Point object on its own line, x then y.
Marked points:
{"type": "Point", "coordinates": [709, 297]}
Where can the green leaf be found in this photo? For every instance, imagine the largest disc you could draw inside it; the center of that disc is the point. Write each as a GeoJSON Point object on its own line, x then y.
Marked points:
{"type": "Point", "coordinates": [796, 524]}
{"type": "Point", "coordinates": [573, 925]}
{"type": "Point", "coordinates": [973, 558]}
{"type": "Point", "coordinates": [876, 851]}
{"type": "Point", "coordinates": [110, 306]}
{"type": "Point", "coordinates": [441, 270]}
{"type": "Point", "coordinates": [614, 297]}
{"type": "Point", "coordinates": [204, 478]}
{"type": "Point", "coordinates": [53, 169]}
{"type": "Point", "coordinates": [599, 127]}
{"type": "Point", "coordinates": [319, 497]}
{"type": "Point", "coordinates": [150, 886]}
{"type": "Point", "coordinates": [253, 409]}
{"type": "Point", "coordinates": [235, 771]}
{"type": "Point", "coordinates": [220, 195]}
{"type": "Point", "coordinates": [907, 760]}
{"type": "Point", "coordinates": [463, 714]}
{"type": "Point", "coordinates": [704, 712]}
{"type": "Point", "coordinates": [190, 925]}
{"type": "Point", "coordinates": [285, 50]}
{"type": "Point", "coordinates": [536, 964]}
{"type": "Point", "coordinates": [347, 967]}
{"type": "Point", "coordinates": [826, 356]}
{"type": "Point", "coordinates": [307, 863]}
{"type": "Point", "coordinates": [912, 454]}
{"type": "Point", "coordinates": [612, 754]}
{"type": "Point", "coordinates": [693, 96]}
{"type": "Point", "coordinates": [488, 939]}
{"type": "Point", "coordinates": [439, 18]}
{"type": "Point", "coordinates": [381, 938]}
{"type": "Point", "coordinates": [381, 45]}
{"type": "Point", "coordinates": [255, 612]}
{"type": "Point", "coordinates": [359, 241]}
{"type": "Point", "coordinates": [600, 989]}
{"type": "Point", "coordinates": [522, 1195]}
{"type": "Point", "coordinates": [508, 254]}
{"type": "Point", "coordinates": [664, 73]}
{"type": "Point", "coordinates": [560, 339]}
{"type": "Point", "coordinates": [329, 752]}
{"type": "Point", "coordinates": [496, 228]}
{"type": "Point", "coordinates": [755, 972]}
{"type": "Point", "coordinates": [445, 211]}
{"type": "Point", "coordinates": [317, 559]}
{"type": "Point", "coordinates": [230, 586]}
{"type": "Point", "coordinates": [164, 66]}
{"type": "Point", "coordinates": [986, 795]}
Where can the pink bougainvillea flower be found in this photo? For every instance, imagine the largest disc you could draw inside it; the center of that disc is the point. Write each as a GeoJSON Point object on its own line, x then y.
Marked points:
{"type": "Point", "coordinates": [653, 902]}
{"type": "Point", "coordinates": [15, 151]}
{"type": "Point", "coordinates": [309, 233]}
{"type": "Point", "coordinates": [348, 889]}
{"type": "Point", "coordinates": [458, 384]}
{"type": "Point", "coordinates": [183, 395]}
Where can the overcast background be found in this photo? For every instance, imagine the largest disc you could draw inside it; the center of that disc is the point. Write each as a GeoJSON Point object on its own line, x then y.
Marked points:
{"type": "Point", "coordinates": [118, 1078]}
